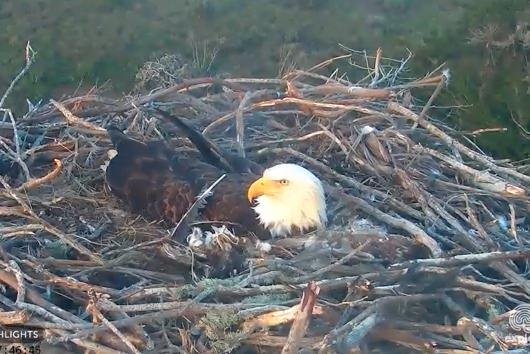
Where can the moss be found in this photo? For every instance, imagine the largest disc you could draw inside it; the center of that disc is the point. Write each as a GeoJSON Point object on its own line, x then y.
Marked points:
{"type": "Point", "coordinates": [220, 328]}
{"type": "Point", "coordinates": [209, 283]}
{"type": "Point", "coordinates": [267, 299]}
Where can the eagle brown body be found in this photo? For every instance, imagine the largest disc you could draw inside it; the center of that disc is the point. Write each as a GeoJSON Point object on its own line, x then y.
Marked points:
{"type": "Point", "coordinates": [156, 183]}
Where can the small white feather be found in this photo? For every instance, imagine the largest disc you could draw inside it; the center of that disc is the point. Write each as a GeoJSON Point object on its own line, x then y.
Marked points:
{"type": "Point", "coordinates": [263, 246]}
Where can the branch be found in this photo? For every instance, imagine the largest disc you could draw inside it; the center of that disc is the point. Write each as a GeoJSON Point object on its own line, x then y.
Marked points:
{"type": "Point", "coordinates": [299, 327]}
{"type": "Point", "coordinates": [30, 59]}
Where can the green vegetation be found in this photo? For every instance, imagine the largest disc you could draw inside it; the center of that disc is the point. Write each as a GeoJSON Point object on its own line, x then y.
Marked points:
{"type": "Point", "coordinates": [219, 327]}
{"type": "Point", "coordinates": [82, 43]}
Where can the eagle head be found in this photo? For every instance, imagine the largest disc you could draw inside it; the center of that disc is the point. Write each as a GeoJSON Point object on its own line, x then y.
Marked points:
{"type": "Point", "coordinates": [288, 197]}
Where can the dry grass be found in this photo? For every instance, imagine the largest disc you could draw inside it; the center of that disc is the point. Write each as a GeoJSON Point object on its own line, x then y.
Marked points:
{"type": "Point", "coordinates": [427, 248]}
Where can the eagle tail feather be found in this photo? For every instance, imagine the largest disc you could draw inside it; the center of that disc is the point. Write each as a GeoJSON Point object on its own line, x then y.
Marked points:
{"type": "Point", "coordinates": [209, 150]}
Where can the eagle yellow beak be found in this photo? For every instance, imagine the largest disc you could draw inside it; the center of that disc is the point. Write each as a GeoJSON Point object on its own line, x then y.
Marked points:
{"type": "Point", "coordinates": [262, 186]}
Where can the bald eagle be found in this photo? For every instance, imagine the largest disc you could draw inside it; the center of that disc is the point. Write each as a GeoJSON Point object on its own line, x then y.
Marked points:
{"type": "Point", "coordinates": [161, 185]}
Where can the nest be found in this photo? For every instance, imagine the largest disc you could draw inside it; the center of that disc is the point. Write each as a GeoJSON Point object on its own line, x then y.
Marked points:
{"type": "Point", "coordinates": [426, 249]}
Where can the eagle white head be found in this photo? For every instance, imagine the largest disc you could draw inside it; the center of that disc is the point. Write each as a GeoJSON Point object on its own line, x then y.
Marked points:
{"type": "Point", "coordinates": [289, 197]}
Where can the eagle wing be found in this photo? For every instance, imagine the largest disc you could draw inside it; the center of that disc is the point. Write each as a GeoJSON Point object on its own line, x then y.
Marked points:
{"type": "Point", "coordinates": [156, 183]}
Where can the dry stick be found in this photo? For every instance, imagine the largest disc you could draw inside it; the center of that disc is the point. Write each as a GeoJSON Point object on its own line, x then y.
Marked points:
{"type": "Point", "coordinates": [431, 128]}
{"type": "Point", "coordinates": [261, 339]}
{"type": "Point", "coordinates": [328, 285]}
{"type": "Point", "coordinates": [512, 276]}
{"type": "Point", "coordinates": [137, 330]}
{"type": "Point", "coordinates": [88, 344]}
{"type": "Point", "coordinates": [426, 82]}
{"type": "Point", "coordinates": [356, 329]}
{"type": "Point", "coordinates": [76, 121]}
{"type": "Point", "coordinates": [431, 202]}
{"type": "Point", "coordinates": [63, 146]}
{"type": "Point", "coordinates": [13, 317]}
{"type": "Point", "coordinates": [338, 263]}
{"type": "Point", "coordinates": [303, 102]}
{"type": "Point", "coordinates": [275, 318]}
{"type": "Point", "coordinates": [15, 155]}
{"type": "Point", "coordinates": [261, 95]}
{"type": "Point", "coordinates": [288, 100]}
{"type": "Point", "coordinates": [12, 211]}
{"type": "Point", "coordinates": [15, 131]}
{"type": "Point", "coordinates": [258, 310]}
{"type": "Point", "coordinates": [142, 318]}
{"type": "Point", "coordinates": [376, 68]}
{"type": "Point", "coordinates": [92, 307]}
{"type": "Point", "coordinates": [436, 92]}
{"type": "Point", "coordinates": [34, 309]}
{"type": "Point", "coordinates": [513, 229]}
{"type": "Point", "coordinates": [286, 140]}
{"type": "Point", "coordinates": [326, 79]}
{"type": "Point", "coordinates": [186, 85]}
{"type": "Point", "coordinates": [484, 130]}
{"type": "Point", "coordinates": [289, 76]}
{"type": "Point", "coordinates": [59, 315]}
{"type": "Point", "coordinates": [68, 282]}
{"type": "Point", "coordinates": [29, 61]}
{"type": "Point", "coordinates": [417, 192]}
{"type": "Point", "coordinates": [354, 91]}
{"type": "Point", "coordinates": [349, 154]}
{"type": "Point", "coordinates": [172, 305]}
{"type": "Point", "coordinates": [21, 289]}
{"type": "Point", "coordinates": [403, 337]}
{"type": "Point", "coordinates": [36, 182]}
{"type": "Point", "coordinates": [463, 259]}
{"type": "Point", "coordinates": [299, 327]}
{"type": "Point", "coordinates": [240, 124]}
{"type": "Point", "coordinates": [67, 239]}
{"type": "Point", "coordinates": [483, 180]}
{"type": "Point", "coordinates": [419, 235]}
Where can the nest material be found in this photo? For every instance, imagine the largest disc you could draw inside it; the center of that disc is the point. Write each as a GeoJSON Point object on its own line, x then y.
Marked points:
{"type": "Point", "coordinates": [426, 251]}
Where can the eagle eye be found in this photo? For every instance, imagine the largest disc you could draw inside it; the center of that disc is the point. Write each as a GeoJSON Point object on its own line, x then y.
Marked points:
{"type": "Point", "coordinates": [284, 181]}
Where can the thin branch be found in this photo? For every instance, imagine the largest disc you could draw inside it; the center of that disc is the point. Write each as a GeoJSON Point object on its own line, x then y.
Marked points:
{"type": "Point", "coordinates": [30, 59]}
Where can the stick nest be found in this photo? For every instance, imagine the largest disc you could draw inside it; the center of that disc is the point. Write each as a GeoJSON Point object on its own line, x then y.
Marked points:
{"type": "Point", "coordinates": [426, 249]}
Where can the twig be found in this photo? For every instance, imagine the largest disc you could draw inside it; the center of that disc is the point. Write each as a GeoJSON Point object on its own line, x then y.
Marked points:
{"type": "Point", "coordinates": [376, 67]}
{"type": "Point", "coordinates": [276, 318]}
{"type": "Point", "coordinates": [483, 180]}
{"type": "Point", "coordinates": [395, 107]}
{"type": "Point", "coordinates": [21, 290]}
{"type": "Point", "coordinates": [318, 273]}
{"type": "Point", "coordinates": [47, 226]}
{"type": "Point", "coordinates": [423, 112]}
{"type": "Point", "coordinates": [36, 182]}
{"type": "Point", "coordinates": [15, 155]}
{"type": "Point", "coordinates": [84, 343]}
{"type": "Point", "coordinates": [30, 59]}
{"type": "Point", "coordinates": [464, 259]}
{"type": "Point", "coordinates": [31, 308]}
{"type": "Point", "coordinates": [299, 327]}
{"type": "Point", "coordinates": [240, 124]}
{"type": "Point", "coordinates": [76, 121]}
{"type": "Point", "coordinates": [356, 329]}
{"type": "Point", "coordinates": [13, 317]}
{"type": "Point", "coordinates": [92, 307]}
